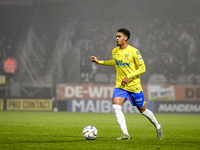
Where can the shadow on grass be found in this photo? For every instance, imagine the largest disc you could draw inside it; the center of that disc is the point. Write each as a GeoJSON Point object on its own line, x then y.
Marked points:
{"type": "Point", "coordinates": [66, 139]}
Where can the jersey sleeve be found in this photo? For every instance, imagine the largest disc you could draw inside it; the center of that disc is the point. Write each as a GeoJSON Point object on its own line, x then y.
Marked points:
{"type": "Point", "coordinates": [107, 62]}
{"type": "Point", "coordinates": [141, 68]}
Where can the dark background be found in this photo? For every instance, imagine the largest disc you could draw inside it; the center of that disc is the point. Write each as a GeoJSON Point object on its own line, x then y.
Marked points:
{"type": "Point", "coordinates": [53, 41]}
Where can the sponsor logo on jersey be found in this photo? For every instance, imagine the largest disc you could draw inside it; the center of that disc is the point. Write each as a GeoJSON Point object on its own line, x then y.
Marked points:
{"type": "Point", "coordinates": [119, 63]}
{"type": "Point", "coordinates": [140, 58]}
{"type": "Point", "coordinates": [138, 53]}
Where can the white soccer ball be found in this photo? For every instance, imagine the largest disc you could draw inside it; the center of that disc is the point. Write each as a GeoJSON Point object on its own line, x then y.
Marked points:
{"type": "Point", "coordinates": [90, 132]}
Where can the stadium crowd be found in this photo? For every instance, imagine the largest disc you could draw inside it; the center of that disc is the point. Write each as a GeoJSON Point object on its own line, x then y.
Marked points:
{"type": "Point", "coordinates": [169, 48]}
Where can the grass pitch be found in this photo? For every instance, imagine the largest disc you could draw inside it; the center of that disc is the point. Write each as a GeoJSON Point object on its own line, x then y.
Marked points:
{"type": "Point", "coordinates": [62, 130]}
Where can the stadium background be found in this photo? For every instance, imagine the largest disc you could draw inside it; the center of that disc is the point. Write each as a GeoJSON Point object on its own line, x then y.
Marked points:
{"type": "Point", "coordinates": [52, 41]}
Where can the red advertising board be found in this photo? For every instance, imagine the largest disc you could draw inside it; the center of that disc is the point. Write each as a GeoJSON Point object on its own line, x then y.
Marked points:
{"type": "Point", "coordinates": [72, 91]}
{"type": "Point", "coordinates": [187, 93]}
{"type": "Point", "coordinates": [104, 92]}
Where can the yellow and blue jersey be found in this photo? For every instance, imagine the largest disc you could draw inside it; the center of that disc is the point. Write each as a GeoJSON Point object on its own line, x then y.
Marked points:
{"type": "Point", "coordinates": [129, 63]}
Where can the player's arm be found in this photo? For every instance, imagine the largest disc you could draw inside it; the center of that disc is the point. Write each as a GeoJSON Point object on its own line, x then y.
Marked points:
{"type": "Point", "coordinates": [107, 62]}
{"type": "Point", "coordinates": [141, 67]}
{"type": "Point", "coordinates": [103, 62]}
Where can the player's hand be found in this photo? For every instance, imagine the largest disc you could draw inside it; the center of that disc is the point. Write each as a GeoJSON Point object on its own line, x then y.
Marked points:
{"type": "Point", "coordinates": [125, 81]}
{"type": "Point", "coordinates": [94, 59]}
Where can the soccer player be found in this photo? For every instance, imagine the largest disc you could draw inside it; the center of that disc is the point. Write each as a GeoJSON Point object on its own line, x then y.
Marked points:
{"type": "Point", "coordinates": [129, 65]}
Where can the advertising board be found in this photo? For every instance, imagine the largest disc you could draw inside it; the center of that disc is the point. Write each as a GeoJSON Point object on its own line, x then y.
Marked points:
{"type": "Point", "coordinates": [1, 104]}
{"type": "Point", "coordinates": [101, 106]}
{"type": "Point", "coordinates": [177, 107]}
{"type": "Point", "coordinates": [187, 93]}
{"type": "Point", "coordinates": [156, 92]}
{"type": "Point", "coordinates": [29, 104]}
{"type": "Point", "coordinates": [95, 92]}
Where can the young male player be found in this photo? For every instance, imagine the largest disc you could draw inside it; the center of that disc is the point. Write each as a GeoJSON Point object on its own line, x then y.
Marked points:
{"type": "Point", "coordinates": [129, 65]}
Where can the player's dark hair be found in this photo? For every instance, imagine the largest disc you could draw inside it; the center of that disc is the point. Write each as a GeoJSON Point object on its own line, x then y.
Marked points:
{"type": "Point", "coordinates": [125, 32]}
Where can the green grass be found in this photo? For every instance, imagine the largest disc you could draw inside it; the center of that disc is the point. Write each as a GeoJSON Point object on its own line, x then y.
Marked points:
{"type": "Point", "coordinates": [62, 130]}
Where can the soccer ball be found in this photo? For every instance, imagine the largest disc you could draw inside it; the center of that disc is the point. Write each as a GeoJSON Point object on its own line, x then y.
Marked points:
{"type": "Point", "coordinates": [90, 132]}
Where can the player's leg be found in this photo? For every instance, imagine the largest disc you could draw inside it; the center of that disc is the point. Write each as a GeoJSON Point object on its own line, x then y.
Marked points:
{"type": "Point", "coordinates": [149, 114]}
{"type": "Point", "coordinates": [137, 99]}
{"type": "Point", "coordinates": [117, 107]}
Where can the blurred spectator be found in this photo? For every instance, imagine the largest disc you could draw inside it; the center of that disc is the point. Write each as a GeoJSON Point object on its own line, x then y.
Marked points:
{"type": "Point", "coordinates": [10, 67]}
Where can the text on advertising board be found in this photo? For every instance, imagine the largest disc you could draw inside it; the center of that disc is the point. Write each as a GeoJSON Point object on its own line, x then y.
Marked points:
{"type": "Point", "coordinates": [101, 106]}
{"type": "Point", "coordinates": [84, 91]}
{"type": "Point", "coordinates": [98, 106]}
{"type": "Point", "coordinates": [178, 107]}
{"type": "Point", "coordinates": [29, 104]}
{"type": "Point", "coordinates": [100, 92]}
{"type": "Point", "coordinates": [188, 93]}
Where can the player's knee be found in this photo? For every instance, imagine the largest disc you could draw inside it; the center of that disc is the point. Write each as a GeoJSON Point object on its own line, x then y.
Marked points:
{"type": "Point", "coordinates": [116, 107]}
{"type": "Point", "coordinates": [142, 109]}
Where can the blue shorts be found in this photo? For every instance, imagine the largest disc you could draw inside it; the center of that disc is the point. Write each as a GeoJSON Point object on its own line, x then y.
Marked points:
{"type": "Point", "coordinates": [136, 99]}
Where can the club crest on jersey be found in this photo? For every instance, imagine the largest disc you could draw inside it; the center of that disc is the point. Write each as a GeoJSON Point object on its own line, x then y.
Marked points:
{"type": "Point", "coordinates": [126, 56]}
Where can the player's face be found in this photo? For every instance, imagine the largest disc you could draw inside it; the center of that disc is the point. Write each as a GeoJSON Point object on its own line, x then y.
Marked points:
{"type": "Point", "coordinates": [120, 39]}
